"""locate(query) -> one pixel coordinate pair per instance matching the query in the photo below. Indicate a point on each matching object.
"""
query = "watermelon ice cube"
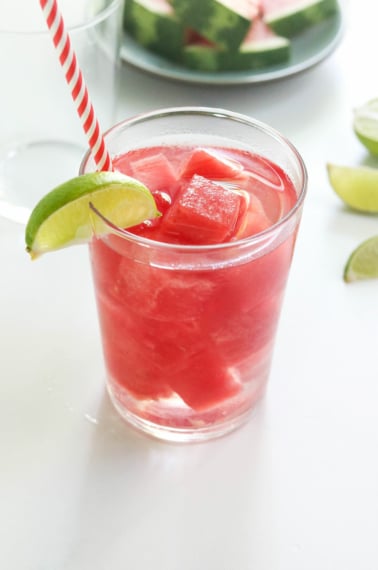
(209, 164)
(155, 171)
(203, 212)
(207, 381)
(254, 220)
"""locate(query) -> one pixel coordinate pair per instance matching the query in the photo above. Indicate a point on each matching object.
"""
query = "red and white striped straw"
(76, 83)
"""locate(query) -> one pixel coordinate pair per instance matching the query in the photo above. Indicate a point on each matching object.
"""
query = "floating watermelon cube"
(254, 219)
(203, 212)
(155, 171)
(208, 163)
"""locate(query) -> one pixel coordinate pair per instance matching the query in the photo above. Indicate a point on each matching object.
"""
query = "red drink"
(189, 303)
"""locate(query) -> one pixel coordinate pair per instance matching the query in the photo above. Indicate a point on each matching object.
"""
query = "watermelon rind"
(202, 58)
(257, 55)
(154, 27)
(251, 56)
(290, 21)
(215, 20)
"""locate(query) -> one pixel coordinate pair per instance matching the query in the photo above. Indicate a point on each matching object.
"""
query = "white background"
(294, 489)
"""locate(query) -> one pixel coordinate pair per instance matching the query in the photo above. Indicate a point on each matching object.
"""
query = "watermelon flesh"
(203, 212)
(253, 220)
(155, 170)
(259, 32)
(206, 162)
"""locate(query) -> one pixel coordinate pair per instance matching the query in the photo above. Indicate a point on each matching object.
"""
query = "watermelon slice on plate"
(261, 47)
(153, 24)
(290, 17)
(224, 22)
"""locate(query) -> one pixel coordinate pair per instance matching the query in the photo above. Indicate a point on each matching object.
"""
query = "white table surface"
(294, 489)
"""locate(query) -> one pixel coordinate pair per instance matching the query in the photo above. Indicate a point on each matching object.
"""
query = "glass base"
(174, 427)
(30, 169)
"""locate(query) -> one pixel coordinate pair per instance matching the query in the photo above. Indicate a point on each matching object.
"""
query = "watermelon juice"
(188, 303)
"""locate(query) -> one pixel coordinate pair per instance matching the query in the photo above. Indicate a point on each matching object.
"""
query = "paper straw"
(76, 83)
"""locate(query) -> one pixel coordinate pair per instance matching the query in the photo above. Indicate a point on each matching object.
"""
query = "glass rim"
(89, 22)
(248, 241)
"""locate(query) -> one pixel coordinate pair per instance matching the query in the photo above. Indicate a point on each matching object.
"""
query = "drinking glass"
(188, 330)
(41, 138)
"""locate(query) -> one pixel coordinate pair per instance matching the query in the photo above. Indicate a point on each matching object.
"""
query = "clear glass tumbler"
(42, 141)
(188, 330)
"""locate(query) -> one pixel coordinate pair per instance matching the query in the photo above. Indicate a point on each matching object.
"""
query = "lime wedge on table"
(63, 217)
(357, 186)
(363, 262)
(365, 125)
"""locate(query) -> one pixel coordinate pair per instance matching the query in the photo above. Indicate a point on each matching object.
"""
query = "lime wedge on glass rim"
(365, 125)
(363, 262)
(63, 217)
(357, 186)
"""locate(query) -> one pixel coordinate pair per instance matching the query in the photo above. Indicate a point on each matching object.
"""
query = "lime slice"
(356, 186)
(63, 217)
(363, 262)
(365, 125)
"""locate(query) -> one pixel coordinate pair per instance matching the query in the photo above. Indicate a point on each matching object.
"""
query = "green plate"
(308, 49)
